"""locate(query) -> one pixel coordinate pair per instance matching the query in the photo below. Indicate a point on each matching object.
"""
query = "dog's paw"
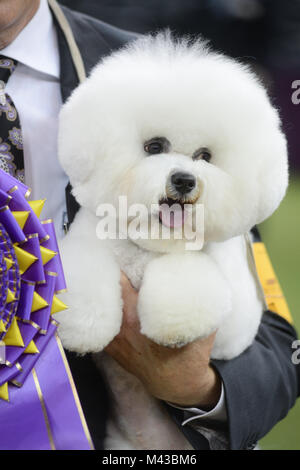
(183, 297)
(93, 294)
(89, 325)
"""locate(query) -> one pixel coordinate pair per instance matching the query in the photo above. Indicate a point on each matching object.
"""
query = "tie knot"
(7, 66)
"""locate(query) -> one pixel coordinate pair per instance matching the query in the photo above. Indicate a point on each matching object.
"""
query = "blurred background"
(266, 35)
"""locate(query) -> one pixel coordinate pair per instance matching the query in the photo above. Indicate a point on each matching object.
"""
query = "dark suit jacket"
(262, 384)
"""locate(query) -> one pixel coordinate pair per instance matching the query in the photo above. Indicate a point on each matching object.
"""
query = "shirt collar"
(36, 45)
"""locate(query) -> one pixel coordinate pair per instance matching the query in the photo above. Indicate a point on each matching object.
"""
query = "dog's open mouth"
(171, 212)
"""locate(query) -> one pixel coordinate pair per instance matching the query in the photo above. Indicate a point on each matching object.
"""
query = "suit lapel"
(68, 76)
(90, 43)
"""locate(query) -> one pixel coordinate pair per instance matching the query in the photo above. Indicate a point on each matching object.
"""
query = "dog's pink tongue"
(171, 218)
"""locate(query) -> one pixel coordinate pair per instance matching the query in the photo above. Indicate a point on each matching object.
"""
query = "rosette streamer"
(39, 406)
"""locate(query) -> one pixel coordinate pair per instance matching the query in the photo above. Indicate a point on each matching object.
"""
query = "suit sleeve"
(261, 384)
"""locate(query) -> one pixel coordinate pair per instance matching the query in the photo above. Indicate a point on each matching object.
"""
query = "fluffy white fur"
(156, 87)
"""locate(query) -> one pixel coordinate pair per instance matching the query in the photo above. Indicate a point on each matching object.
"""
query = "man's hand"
(182, 376)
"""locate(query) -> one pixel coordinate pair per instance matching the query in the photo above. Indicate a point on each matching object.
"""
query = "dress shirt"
(217, 413)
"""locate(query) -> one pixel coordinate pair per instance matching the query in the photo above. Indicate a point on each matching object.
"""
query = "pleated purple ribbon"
(39, 405)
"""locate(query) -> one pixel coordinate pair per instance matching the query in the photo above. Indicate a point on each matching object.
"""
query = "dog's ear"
(76, 151)
(273, 175)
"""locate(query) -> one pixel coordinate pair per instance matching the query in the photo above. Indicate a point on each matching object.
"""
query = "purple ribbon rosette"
(39, 405)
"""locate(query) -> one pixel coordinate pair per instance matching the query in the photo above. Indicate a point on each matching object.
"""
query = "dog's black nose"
(183, 182)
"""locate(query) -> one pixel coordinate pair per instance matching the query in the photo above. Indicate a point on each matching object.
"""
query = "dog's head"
(165, 121)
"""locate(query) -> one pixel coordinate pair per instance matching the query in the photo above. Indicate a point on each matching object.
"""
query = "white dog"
(165, 121)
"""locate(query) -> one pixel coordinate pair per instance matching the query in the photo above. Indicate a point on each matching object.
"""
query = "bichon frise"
(166, 121)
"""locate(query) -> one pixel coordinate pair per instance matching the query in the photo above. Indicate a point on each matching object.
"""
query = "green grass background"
(281, 235)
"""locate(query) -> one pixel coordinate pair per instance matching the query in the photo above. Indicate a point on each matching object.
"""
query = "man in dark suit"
(254, 390)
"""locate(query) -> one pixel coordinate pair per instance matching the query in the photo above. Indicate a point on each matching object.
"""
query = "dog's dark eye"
(202, 154)
(156, 145)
